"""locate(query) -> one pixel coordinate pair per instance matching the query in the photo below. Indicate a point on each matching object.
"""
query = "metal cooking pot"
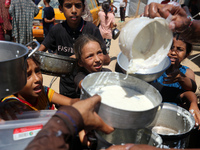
(123, 136)
(149, 74)
(56, 65)
(13, 67)
(119, 118)
(173, 124)
(115, 33)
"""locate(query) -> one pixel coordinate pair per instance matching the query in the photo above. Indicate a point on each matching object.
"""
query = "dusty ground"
(114, 51)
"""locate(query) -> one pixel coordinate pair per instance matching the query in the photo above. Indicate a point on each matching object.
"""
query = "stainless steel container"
(56, 65)
(123, 136)
(13, 67)
(149, 74)
(119, 118)
(173, 124)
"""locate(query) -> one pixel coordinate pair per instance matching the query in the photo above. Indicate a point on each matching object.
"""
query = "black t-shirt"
(81, 74)
(61, 38)
(49, 14)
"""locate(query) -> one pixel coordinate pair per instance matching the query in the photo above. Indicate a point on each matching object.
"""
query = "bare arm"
(138, 147)
(187, 80)
(49, 21)
(180, 23)
(42, 48)
(63, 100)
(194, 109)
(66, 123)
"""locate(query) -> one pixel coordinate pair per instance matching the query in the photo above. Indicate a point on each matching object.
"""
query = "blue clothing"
(37, 2)
(160, 80)
(170, 92)
(48, 13)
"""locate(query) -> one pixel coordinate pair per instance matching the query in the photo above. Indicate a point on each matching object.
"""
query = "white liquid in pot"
(122, 98)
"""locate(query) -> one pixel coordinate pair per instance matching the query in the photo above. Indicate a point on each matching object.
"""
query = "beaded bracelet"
(70, 118)
(191, 20)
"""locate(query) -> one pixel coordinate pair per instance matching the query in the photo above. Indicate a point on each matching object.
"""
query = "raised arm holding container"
(186, 26)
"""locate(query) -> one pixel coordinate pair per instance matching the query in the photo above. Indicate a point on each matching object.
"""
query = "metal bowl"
(120, 118)
(174, 125)
(123, 136)
(56, 65)
(149, 74)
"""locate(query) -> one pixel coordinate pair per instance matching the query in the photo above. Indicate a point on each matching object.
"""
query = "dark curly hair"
(188, 45)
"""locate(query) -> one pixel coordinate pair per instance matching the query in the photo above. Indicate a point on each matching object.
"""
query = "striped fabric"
(43, 102)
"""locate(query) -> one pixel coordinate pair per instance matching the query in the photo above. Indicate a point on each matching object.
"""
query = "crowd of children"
(82, 40)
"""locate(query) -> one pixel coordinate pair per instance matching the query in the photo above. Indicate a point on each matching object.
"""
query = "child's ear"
(80, 63)
(60, 8)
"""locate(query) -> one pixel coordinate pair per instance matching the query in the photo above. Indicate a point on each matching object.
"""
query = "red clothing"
(1, 29)
(165, 1)
(4, 14)
(7, 2)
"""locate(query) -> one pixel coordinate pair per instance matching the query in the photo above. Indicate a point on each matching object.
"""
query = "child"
(62, 36)
(178, 81)
(123, 4)
(90, 58)
(48, 18)
(112, 6)
(34, 95)
(107, 22)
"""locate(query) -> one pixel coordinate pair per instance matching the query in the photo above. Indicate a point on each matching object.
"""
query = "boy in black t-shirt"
(62, 36)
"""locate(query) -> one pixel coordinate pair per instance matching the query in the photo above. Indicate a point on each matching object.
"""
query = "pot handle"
(35, 49)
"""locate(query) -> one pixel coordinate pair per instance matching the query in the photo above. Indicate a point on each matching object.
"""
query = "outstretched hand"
(91, 119)
(174, 75)
(8, 110)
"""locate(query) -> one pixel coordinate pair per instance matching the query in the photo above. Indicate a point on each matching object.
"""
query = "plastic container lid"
(16, 134)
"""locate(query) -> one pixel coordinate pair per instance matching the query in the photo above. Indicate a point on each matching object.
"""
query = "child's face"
(177, 51)
(33, 87)
(72, 10)
(92, 57)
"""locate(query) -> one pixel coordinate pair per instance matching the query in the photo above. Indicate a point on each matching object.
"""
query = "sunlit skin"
(177, 54)
(33, 87)
(92, 57)
(72, 10)
(178, 51)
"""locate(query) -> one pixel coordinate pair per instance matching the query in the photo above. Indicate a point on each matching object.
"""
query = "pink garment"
(105, 29)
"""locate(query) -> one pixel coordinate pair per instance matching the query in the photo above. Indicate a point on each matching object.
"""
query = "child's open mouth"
(74, 17)
(98, 66)
(37, 89)
(173, 59)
